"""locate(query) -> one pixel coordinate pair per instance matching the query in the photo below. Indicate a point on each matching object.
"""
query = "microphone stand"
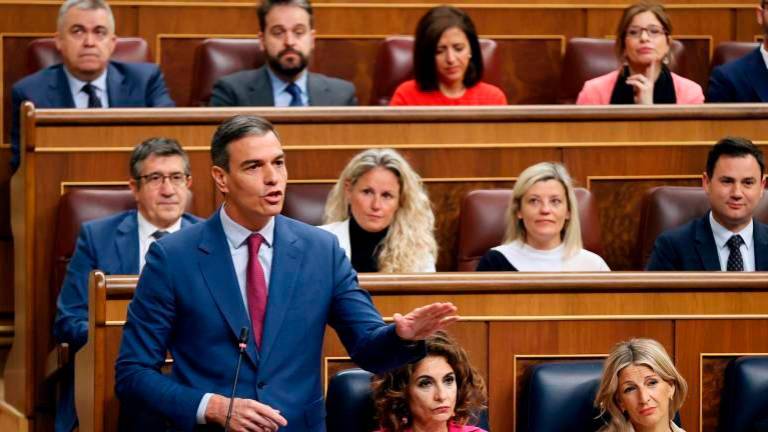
(241, 344)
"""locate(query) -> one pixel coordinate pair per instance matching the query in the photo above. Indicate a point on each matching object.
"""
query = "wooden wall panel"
(725, 336)
(745, 27)
(14, 68)
(560, 339)
(530, 69)
(698, 52)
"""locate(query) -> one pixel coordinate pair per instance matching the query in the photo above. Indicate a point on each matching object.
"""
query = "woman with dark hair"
(643, 47)
(447, 64)
(441, 393)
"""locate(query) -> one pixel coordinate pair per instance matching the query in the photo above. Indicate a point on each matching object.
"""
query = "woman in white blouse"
(543, 231)
(381, 214)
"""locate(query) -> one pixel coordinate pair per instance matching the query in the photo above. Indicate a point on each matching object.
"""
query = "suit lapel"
(127, 244)
(215, 261)
(261, 89)
(318, 90)
(286, 261)
(118, 92)
(59, 93)
(761, 245)
(705, 245)
(757, 74)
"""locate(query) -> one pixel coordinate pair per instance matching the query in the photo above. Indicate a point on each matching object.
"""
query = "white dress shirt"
(81, 97)
(146, 229)
(722, 235)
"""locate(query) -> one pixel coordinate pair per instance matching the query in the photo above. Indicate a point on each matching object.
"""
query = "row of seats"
(566, 389)
(585, 58)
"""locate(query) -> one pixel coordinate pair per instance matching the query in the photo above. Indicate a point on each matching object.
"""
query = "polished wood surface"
(506, 331)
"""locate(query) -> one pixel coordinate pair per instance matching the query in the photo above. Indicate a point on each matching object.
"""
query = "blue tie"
(295, 92)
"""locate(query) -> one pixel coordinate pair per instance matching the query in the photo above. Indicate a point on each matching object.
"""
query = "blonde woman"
(543, 231)
(640, 389)
(381, 214)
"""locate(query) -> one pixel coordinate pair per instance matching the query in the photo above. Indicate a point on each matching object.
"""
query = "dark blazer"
(129, 85)
(742, 80)
(254, 88)
(188, 302)
(692, 247)
(110, 244)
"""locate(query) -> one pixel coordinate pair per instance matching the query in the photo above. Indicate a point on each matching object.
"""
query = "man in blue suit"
(85, 37)
(160, 181)
(745, 79)
(248, 267)
(727, 238)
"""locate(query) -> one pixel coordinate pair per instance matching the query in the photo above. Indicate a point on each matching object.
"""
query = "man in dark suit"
(248, 267)
(727, 238)
(160, 181)
(288, 38)
(745, 79)
(85, 37)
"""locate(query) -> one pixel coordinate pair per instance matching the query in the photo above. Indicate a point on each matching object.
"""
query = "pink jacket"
(453, 427)
(597, 91)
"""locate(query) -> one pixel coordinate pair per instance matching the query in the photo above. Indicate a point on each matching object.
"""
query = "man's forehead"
(86, 18)
(734, 166)
(287, 15)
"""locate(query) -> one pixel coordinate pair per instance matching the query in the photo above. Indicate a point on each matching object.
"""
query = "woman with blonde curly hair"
(381, 214)
(543, 230)
(641, 389)
(442, 392)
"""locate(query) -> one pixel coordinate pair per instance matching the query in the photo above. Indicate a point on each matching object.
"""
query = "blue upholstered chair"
(744, 400)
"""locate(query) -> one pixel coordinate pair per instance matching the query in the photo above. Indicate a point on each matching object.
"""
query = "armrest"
(56, 360)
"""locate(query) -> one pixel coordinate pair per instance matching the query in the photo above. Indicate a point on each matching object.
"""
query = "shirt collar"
(722, 234)
(76, 85)
(764, 53)
(146, 228)
(278, 85)
(237, 235)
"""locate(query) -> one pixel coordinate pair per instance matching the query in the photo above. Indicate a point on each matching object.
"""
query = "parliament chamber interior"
(637, 172)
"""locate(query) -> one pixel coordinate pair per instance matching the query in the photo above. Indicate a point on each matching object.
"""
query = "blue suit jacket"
(110, 244)
(742, 80)
(188, 302)
(692, 247)
(129, 85)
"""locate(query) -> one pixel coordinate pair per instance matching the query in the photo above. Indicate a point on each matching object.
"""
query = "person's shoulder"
(592, 261)
(606, 80)
(688, 91)
(685, 232)
(334, 227)
(335, 83)
(490, 93)
(408, 86)
(741, 63)
(303, 230)
(190, 218)
(35, 80)
(242, 76)
(109, 222)
(597, 91)
(135, 67)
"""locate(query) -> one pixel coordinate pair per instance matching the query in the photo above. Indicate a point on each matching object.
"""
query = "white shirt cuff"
(202, 407)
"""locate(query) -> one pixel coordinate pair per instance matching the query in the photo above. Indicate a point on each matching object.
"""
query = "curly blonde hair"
(571, 234)
(390, 390)
(637, 352)
(410, 240)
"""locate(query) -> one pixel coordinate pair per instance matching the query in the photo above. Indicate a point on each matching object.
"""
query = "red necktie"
(256, 287)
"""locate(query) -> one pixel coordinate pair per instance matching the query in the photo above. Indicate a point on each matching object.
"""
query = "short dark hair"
(390, 389)
(428, 32)
(267, 5)
(734, 147)
(158, 146)
(233, 129)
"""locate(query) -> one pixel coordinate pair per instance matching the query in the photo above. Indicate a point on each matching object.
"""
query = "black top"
(494, 260)
(663, 88)
(364, 247)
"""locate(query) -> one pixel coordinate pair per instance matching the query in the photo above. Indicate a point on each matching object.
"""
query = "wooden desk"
(511, 322)
(615, 152)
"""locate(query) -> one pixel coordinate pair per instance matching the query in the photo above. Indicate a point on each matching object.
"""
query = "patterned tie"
(93, 99)
(159, 234)
(256, 287)
(735, 262)
(295, 92)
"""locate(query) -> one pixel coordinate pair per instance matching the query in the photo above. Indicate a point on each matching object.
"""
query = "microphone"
(241, 344)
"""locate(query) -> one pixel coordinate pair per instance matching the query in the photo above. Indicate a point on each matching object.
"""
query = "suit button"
(261, 385)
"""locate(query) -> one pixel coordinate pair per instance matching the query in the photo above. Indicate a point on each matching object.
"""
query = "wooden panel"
(13, 70)
(712, 381)
(530, 69)
(698, 52)
(745, 25)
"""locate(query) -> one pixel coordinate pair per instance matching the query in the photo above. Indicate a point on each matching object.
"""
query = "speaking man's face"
(86, 41)
(288, 40)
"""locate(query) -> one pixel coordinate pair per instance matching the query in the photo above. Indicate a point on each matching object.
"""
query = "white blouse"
(525, 258)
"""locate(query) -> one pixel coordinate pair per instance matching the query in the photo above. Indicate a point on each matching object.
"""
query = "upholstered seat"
(482, 223)
(667, 207)
(587, 58)
(394, 65)
(727, 52)
(42, 53)
(216, 58)
(306, 202)
(559, 397)
(744, 400)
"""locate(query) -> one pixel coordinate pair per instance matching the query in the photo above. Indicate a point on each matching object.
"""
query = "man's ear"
(220, 178)
(705, 182)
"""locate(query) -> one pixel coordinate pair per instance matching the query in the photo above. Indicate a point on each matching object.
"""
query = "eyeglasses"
(156, 180)
(653, 31)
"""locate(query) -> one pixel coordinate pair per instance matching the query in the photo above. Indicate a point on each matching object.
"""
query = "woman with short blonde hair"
(382, 215)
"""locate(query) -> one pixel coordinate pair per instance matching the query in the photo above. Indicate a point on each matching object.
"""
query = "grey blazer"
(253, 88)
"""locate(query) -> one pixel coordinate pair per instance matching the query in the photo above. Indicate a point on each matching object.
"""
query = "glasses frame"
(162, 177)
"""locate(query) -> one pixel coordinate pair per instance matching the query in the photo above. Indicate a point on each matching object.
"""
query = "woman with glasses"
(643, 46)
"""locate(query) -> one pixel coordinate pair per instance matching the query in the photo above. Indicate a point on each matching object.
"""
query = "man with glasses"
(746, 79)
(160, 182)
(87, 78)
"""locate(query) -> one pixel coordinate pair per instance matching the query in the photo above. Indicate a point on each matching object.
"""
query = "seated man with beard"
(288, 37)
